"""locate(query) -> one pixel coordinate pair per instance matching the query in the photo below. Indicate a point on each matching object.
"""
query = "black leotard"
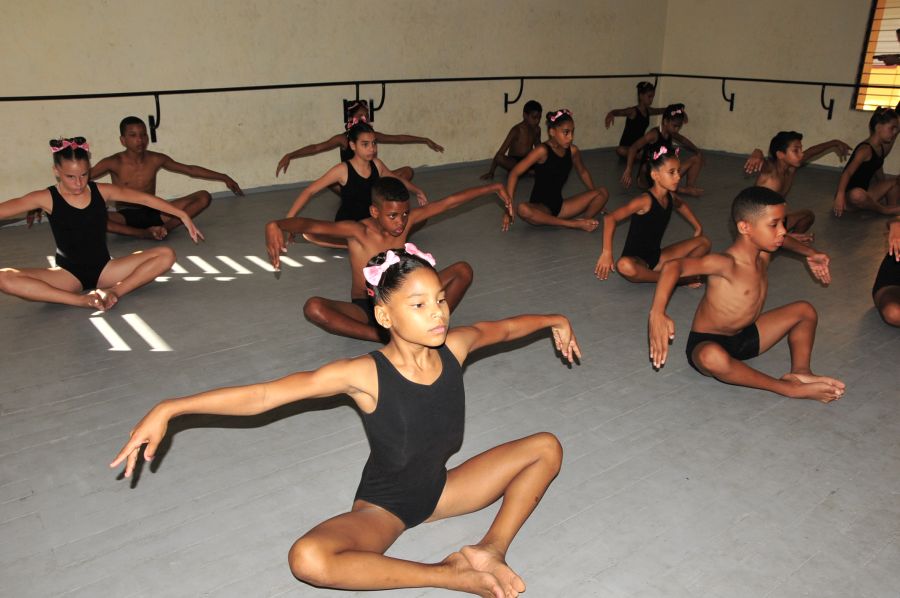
(80, 236)
(863, 175)
(356, 195)
(888, 274)
(646, 231)
(414, 429)
(634, 128)
(549, 179)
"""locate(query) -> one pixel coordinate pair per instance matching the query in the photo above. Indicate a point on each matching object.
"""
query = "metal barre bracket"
(830, 106)
(729, 99)
(507, 101)
(154, 122)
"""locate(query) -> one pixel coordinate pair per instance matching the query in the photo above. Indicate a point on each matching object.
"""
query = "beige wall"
(781, 39)
(128, 45)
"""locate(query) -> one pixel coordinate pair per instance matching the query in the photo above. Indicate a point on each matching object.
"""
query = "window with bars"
(880, 63)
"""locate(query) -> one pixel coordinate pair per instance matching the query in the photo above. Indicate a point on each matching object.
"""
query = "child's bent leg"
(539, 215)
(347, 552)
(690, 172)
(52, 285)
(520, 472)
(125, 274)
(192, 205)
(799, 221)
(860, 199)
(405, 172)
(634, 269)
(622, 151)
(456, 280)
(587, 204)
(341, 318)
(887, 301)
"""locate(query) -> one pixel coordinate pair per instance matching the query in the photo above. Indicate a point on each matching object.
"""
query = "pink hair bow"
(559, 113)
(373, 274)
(676, 112)
(64, 143)
(663, 151)
(355, 120)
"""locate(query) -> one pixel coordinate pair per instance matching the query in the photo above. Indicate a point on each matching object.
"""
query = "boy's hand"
(754, 163)
(609, 120)
(565, 342)
(626, 179)
(150, 431)
(604, 266)
(192, 230)
(661, 330)
(35, 215)
(420, 197)
(434, 146)
(818, 264)
(235, 188)
(275, 244)
(282, 165)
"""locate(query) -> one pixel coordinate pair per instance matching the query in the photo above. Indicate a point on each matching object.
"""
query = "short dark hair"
(752, 201)
(781, 141)
(532, 106)
(388, 188)
(130, 120)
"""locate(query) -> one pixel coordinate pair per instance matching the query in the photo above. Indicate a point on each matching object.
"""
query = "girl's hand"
(839, 205)
(420, 197)
(507, 220)
(275, 244)
(283, 165)
(234, 187)
(192, 230)
(565, 342)
(818, 264)
(841, 149)
(626, 179)
(894, 239)
(434, 146)
(150, 431)
(604, 266)
(661, 332)
(610, 119)
(507, 202)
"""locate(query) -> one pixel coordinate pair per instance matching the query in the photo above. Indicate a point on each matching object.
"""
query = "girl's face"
(417, 311)
(672, 127)
(646, 98)
(887, 131)
(365, 146)
(73, 175)
(563, 134)
(667, 174)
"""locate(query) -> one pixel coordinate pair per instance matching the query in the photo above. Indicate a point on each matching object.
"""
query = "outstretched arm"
(402, 139)
(610, 116)
(115, 192)
(383, 170)
(334, 378)
(756, 162)
(605, 263)
(276, 229)
(466, 339)
(537, 155)
(649, 137)
(686, 142)
(839, 204)
(817, 151)
(685, 211)
(817, 261)
(337, 174)
(457, 199)
(36, 200)
(504, 147)
(198, 172)
(102, 168)
(310, 150)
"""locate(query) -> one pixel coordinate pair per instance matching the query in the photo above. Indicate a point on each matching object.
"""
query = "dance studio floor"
(673, 485)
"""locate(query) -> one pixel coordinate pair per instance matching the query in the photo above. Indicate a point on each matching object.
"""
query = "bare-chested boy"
(786, 155)
(520, 140)
(388, 228)
(729, 325)
(136, 168)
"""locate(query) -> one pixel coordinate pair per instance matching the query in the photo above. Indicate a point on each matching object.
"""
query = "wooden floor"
(673, 485)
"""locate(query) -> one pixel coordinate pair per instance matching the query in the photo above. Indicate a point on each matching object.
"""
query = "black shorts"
(888, 274)
(142, 217)
(367, 306)
(743, 345)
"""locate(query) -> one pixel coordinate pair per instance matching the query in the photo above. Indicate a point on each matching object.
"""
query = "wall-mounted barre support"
(507, 101)
(830, 106)
(154, 122)
(655, 81)
(729, 99)
(373, 108)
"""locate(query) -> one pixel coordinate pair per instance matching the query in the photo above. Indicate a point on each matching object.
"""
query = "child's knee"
(164, 255)
(7, 279)
(712, 358)
(807, 311)
(602, 193)
(204, 199)
(523, 210)
(890, 313)
(314, 310)
(309, 562)
(549, 449)
(626, 267)
(463, 271)
(704, 245)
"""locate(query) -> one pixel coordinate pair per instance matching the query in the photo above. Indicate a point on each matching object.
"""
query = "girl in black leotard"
(856, 190)
(354, 178)
(552, 161)
(411, 397)
(643, 256)
(886, 290)
(637, 117)
(76, 209)
(357, 111)
(667, 134)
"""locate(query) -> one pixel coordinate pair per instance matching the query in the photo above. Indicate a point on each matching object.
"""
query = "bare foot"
(692, 191)
(157, 233)
(584, 224)
(95, 300)
(468, 579)
(109, 298)
(818, 388)
(488, 559)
